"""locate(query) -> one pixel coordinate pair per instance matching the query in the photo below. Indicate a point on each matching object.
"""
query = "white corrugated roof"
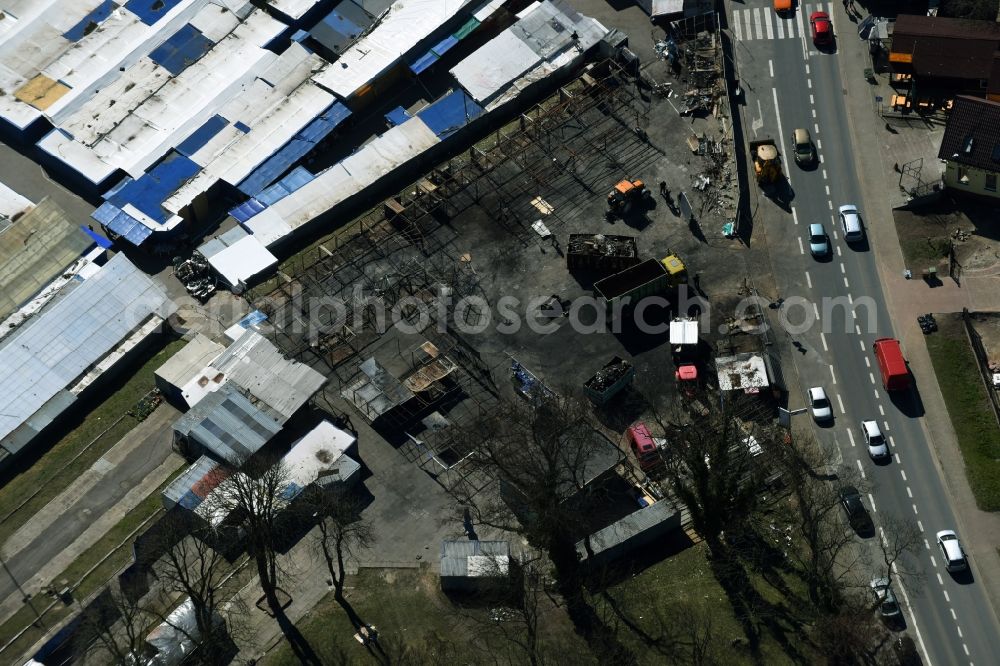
(375, 160)
(132, 121)
(242, 260)
(293, 8)
(49, 353)
(12, 203)
(316, 452)
(407, 23)
(493, 66)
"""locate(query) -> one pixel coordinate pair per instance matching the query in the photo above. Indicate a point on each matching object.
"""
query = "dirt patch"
(927, 235)
(987, 324)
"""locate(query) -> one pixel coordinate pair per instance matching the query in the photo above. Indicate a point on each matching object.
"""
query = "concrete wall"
(975, 180)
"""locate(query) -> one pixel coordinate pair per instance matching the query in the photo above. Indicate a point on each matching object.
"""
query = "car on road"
(819, 242)
(857, 515)
(951, 550)
(782, 7)
(819, 404)
(822, 28)
(802, 146)
(885, 598)
(850, 220)
(877, 448)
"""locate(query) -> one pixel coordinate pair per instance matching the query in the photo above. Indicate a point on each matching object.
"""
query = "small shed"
(225, 425)
(471, 565)
(182, 367)
(197, 482)
(320, 458)
(634, 531)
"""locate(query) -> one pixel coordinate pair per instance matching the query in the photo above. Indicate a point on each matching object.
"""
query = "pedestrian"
(895, 167)
(663, 188)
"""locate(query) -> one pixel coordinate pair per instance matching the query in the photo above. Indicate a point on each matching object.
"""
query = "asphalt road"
(791, 84)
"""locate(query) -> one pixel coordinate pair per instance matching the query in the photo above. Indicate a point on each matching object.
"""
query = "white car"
(877, 448)
(850, 220)
(819, 404)
(885, 599)
(951, 551)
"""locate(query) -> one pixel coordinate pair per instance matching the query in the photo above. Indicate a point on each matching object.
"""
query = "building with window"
(970, 147)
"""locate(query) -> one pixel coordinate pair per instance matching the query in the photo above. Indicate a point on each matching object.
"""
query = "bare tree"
(113, 629)
(544, 452)
(898, 537)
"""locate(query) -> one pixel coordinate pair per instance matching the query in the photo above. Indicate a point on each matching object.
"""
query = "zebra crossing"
(760, 23)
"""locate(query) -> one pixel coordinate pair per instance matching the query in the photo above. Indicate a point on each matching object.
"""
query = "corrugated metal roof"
(341, 27)
(246, 210)
(201, 136)
(423, 62)
(181, 49)
(455, 554)
(228, 425)
(151, 11)
(629, 527)
(257, 366)
(181, 487)
(148, 192)
(189, 361)
(91, 21)
(450, 113)
(54, 349)
(298, 177)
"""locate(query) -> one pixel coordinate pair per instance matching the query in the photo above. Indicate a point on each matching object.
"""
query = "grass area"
(110, 546)
(52, 472)
(678, 604)
(924, 252)
(968, 407)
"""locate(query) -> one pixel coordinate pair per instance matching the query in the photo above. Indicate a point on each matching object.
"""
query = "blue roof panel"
(299, 145)
(151, 11)
(397, 116)
(202, 135)
(423, 62)
(90, 22)
(445, 45)
(96, 237)
(153, 187)
(246, 210)
(184, 47)
(450, 113)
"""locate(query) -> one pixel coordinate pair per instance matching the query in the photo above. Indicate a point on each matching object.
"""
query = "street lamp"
(26, 598)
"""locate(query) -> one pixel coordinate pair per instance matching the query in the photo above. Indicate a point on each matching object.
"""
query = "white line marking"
(862, 344)
(832, 375)
(934, 564)
(861, 469)
(920, 526)
(885, 540)
(850, 299)
(824, 174)
(841, 404)
(915, 512)
(892, 442)
(816, 311)
(871, 500)
(819, 146)
(767, 24)
(951, 610)
(909, 493)
(809, 280)
(814, 113)
(738, 28)
(816, 127)
(871, 377)
(857, 329)
(822, 337)
(881, 410)
(807, 64)
(811, 100)
(850, 435)
(966, 649)
(770, 67)
(838, 252)
(801, 250)
(843, 269)
(781, 35)
(876, 394)
(809, 82)
(906, 598)
(902, 473)
(758, 31)
(885, 426)
(948, 599)
(795, 216)
(749, 29)
(847, 285)
(868, 363)
(830, 204)
(781, 132)
(827, 190)
(897, 455)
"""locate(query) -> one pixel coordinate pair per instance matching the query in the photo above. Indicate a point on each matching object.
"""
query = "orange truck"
(891, 364)
(783, 6)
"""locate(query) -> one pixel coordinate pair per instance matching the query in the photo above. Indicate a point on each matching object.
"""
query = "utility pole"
(24, 597)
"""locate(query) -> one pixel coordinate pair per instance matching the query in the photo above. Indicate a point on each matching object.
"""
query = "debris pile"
(196, 276)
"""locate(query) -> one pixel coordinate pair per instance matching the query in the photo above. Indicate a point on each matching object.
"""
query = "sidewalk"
(908, 298)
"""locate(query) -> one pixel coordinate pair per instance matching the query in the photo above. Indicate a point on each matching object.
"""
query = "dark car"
(857, 515)
(906, 652)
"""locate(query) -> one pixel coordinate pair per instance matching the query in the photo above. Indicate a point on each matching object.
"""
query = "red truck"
(892, 365)
(644, 447)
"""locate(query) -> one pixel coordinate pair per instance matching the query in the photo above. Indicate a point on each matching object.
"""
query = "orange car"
(782, 6)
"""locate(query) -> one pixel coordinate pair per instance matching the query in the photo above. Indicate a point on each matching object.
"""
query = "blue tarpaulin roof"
(150, 190)
(444, 45)
(300, 144)
(96, 237)
(293, 181)
(202, 135)
(118, 221)
(184, 47)
(246, 210)
(450, 113)
(423, 62)
(89, 22)
(151, 11)
(397, 116)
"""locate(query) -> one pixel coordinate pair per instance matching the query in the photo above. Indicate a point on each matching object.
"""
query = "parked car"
(877, 448)
(819, 242)
(850, 220)
(822, 28)
(906, 651)
(857, 515)
(951, 550)
(885, 598)
(819, 404)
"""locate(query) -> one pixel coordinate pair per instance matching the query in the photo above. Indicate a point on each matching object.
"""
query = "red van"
(892, 365)
(643, 446)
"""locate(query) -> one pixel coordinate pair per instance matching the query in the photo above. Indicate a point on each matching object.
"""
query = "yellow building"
(970, 147)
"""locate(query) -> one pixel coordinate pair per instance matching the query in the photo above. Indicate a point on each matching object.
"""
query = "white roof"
(133, 120)
(12, 203)
(375, 160)
(683, 332)
(293, 8)
(242, 260)
(494, 65)
(317, 452)
(487, 565)
(51, 352)
(406, 24)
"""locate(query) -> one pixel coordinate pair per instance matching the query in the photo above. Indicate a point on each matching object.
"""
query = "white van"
(850, 220)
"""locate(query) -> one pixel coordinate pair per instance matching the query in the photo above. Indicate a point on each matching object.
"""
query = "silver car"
(888, 606)
(951, 550)
(850, 220)
(819, 404)
(819, 242)
(877, 448)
